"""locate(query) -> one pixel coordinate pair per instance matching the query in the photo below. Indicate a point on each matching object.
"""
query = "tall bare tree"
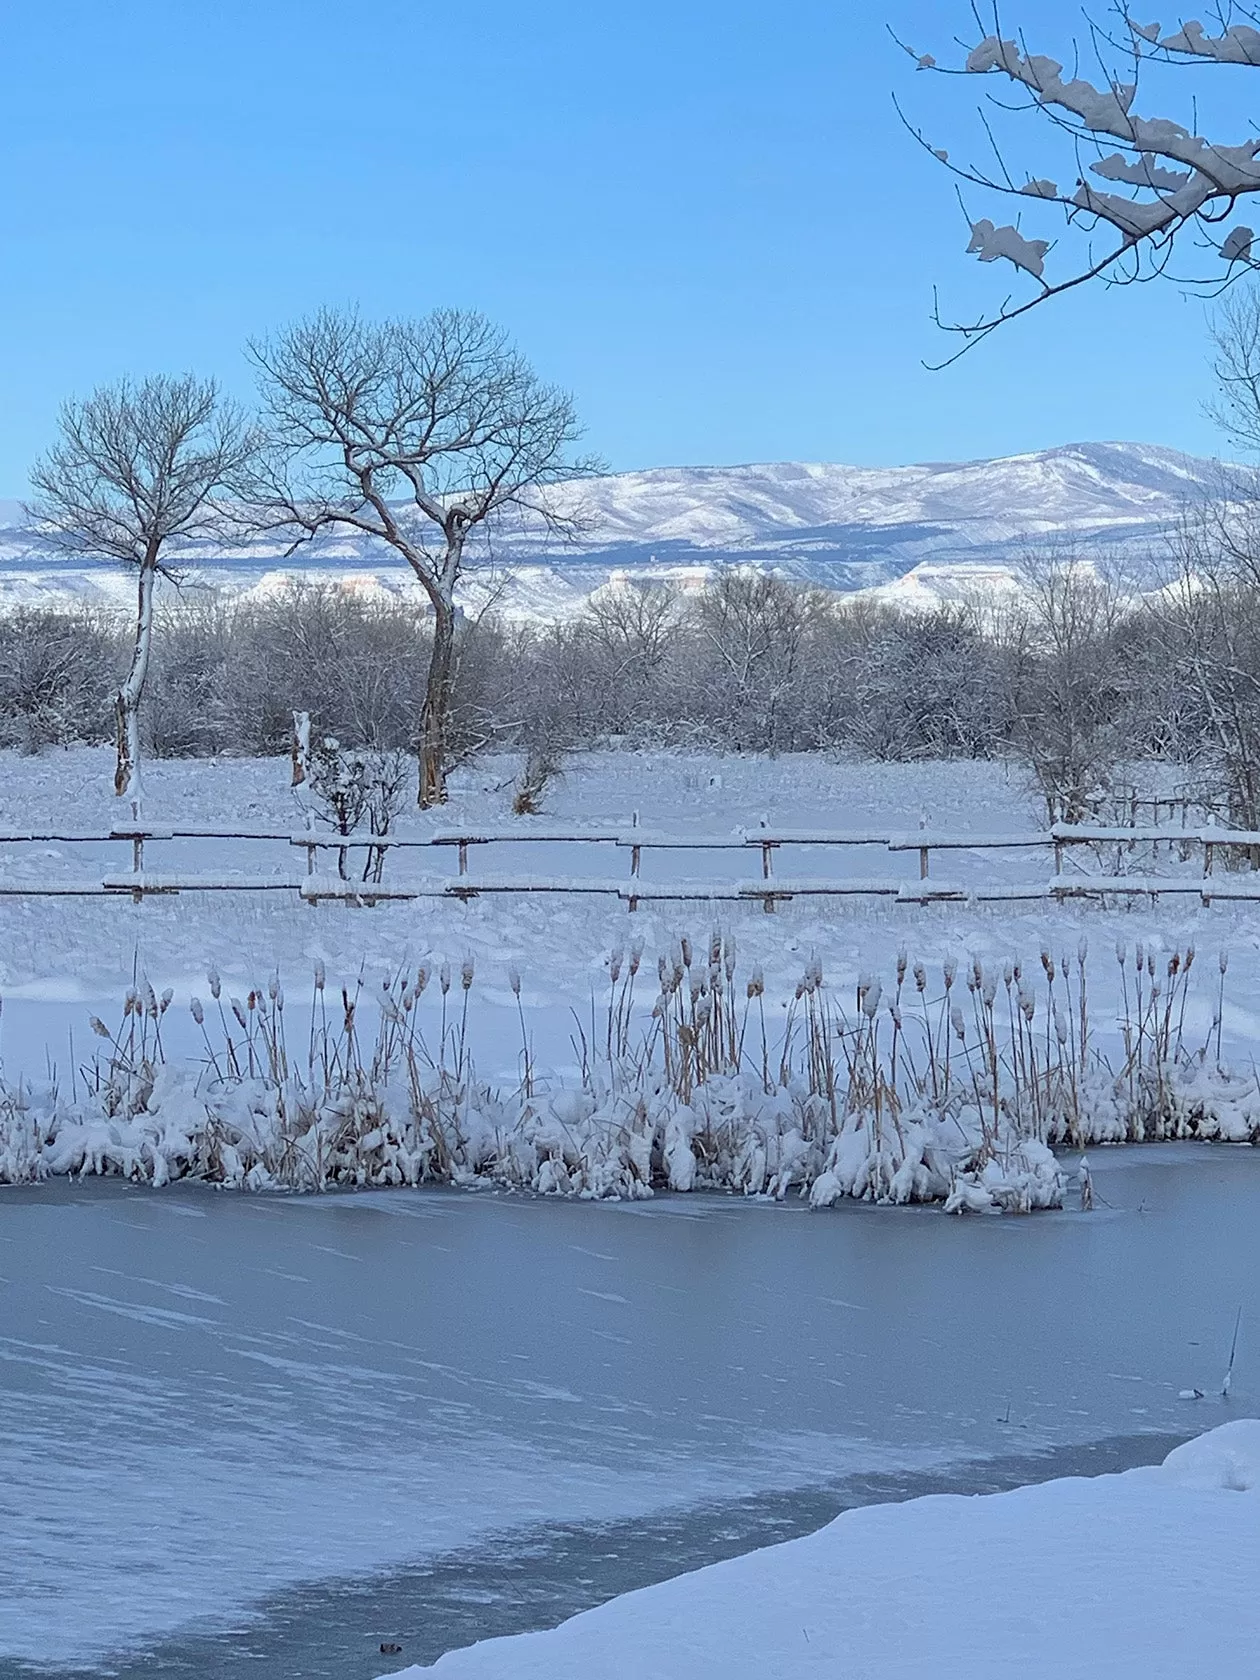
(421, 434)
(135, 469)
(1173, 186)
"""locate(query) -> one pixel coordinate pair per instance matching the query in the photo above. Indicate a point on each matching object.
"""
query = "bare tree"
(418, 434)
(1066, 688)
(1175, 185)
(136, 468)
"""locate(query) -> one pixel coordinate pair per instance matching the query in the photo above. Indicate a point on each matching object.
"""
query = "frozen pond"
(260, 1435)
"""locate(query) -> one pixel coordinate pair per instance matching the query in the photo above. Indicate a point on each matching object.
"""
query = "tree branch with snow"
(1175, 187)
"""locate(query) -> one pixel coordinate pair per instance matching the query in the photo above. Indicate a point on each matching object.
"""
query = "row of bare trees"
(1078, 677)
(417, 434)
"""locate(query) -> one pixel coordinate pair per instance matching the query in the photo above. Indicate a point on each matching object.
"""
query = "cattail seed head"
(98, 1026)
(956, 1021)
(214, 983)
(1224, 961)
(422, 980)
(238, 1009)
(870, 1003)
(444, 978)
(514, 981)
(320, 976)
(198, 1013)
(920, 977)
(466, 973)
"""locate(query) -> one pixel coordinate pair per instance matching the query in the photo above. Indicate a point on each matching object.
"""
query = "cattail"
(956, 1021)
(408, 1000)
(422, 980)
(756, 983)
(715, 947)
(197, 1012)
(989, 993)
(253, 1000)
(1047, 962)
(902, 961)
(870, 1002)
(977, 974)
(514, 981)
(466, 973)
(949, 969)
(1027, 1003)
(1082, 951)
(444, 978)
(214, 983)
(1060, 1028)
(150, 1000)
(1224, 961)
(636, 955)
(1174, 963)
(238, 1009)
(1122, 952)
(164, 1002)
(273, 985)
(99, 1028)
(1189, 958)
(684, 948)
(662, 969)
(320, 976)
(704, 1008)
(920, 977)
(730, 961)
(1008, 974)
(614, 965)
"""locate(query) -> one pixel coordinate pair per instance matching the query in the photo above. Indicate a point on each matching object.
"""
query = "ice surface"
(205, 1398)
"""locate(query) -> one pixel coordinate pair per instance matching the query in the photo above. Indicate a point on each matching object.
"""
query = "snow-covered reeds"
(953, 1085)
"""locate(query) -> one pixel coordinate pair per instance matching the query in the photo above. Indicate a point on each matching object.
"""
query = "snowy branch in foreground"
(1183, 187)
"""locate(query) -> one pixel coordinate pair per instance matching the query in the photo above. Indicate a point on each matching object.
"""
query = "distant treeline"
(1072, 677)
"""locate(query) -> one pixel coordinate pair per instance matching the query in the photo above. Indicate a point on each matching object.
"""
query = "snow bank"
(1149, 1575)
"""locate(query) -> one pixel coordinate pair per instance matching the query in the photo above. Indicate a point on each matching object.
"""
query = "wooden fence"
(315, 885)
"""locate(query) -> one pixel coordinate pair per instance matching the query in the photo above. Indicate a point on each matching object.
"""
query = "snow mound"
(1225, 1458)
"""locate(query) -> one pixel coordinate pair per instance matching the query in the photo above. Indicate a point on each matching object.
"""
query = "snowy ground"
(58, 957)
(1148, 1575)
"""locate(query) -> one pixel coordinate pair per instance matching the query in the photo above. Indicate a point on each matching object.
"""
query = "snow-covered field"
(1149, 1575)
(85, 950)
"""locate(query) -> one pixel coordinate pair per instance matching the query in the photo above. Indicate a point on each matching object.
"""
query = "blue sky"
(702, 216)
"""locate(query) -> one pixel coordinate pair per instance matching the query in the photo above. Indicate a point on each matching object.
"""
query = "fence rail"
(769, 889)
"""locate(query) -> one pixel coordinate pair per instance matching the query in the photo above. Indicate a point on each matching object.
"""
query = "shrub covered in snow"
(952, 1091)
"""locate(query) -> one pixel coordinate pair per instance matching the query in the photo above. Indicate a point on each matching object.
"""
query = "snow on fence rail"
(769, 889)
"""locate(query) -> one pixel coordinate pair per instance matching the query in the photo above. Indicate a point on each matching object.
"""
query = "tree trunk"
(127, 700)
(437, 705)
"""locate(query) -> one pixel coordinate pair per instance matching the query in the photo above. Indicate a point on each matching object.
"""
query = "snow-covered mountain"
(917, 532)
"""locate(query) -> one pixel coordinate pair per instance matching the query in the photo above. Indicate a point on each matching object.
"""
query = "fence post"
(766, 863)
(923, 863)
(463, 857)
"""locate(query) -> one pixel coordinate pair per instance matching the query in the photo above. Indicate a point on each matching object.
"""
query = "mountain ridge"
(848, 528)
